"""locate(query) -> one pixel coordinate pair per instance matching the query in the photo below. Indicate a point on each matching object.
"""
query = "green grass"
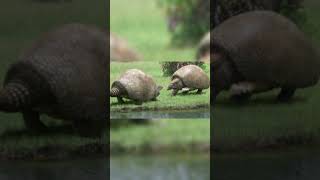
(263, 122)
(143, 24)
(165, 100)
(162, 135)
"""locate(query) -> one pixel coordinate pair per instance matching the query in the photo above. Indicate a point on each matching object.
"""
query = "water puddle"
(179, 114)
(189, 167)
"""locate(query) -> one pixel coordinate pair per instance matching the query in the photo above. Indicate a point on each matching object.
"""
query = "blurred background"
(161, 30)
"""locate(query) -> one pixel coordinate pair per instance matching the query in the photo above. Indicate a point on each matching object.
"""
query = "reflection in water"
(179, 114)
(297, 165)
(93, 169)
(160, 168)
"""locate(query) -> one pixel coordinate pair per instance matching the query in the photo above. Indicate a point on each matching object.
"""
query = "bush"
(168, 68)
(187, 20)
(293, 9)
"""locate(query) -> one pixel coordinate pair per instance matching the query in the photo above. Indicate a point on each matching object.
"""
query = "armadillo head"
(176, 83)
(14, 97)
(159, 88)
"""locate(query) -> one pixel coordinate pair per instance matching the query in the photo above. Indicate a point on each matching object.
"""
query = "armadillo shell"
(267, 47)
(192, 76)
(73, 61)
(139, 86)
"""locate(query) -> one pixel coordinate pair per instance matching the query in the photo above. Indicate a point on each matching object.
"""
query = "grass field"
(164, 101)
(264, 123)
(173, 135)
(143, 24)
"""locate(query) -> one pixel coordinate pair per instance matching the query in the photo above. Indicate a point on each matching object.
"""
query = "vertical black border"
(213, 23)
(107, 15)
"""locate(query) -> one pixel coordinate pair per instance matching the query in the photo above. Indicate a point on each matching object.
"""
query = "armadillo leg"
(137, 102)
(32, 121)
(286, 94)
(199, 91)
(120, 100)
(174, 92)
(244, 90)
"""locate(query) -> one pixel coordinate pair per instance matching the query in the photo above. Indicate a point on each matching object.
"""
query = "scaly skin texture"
(262, 50)
(64, 75)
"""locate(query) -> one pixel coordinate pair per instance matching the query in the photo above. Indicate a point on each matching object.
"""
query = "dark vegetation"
(168, 68)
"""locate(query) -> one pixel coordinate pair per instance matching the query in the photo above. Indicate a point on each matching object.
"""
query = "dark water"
(160, 167)
(86, 169)
(292, 165)
(186, 167)
(178, 114)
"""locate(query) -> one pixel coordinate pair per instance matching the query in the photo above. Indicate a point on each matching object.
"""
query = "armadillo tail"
(14, 97)
(114, 92)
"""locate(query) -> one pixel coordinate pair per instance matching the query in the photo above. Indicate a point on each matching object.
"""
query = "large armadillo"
(261, 50)
(64, 74)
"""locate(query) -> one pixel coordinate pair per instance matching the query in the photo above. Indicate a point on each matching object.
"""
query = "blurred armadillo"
(64, 75)
(261, 50)
(121, 51)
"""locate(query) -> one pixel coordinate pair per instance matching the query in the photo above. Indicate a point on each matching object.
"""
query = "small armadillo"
(64, 75)
(189, 77)
(136, 85)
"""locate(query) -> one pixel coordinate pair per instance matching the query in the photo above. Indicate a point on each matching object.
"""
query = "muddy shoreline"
(175, 108)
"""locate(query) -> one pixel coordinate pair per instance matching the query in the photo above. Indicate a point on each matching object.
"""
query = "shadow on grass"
(126, 102)
(266, 100)
(130, 102)
(54, 130)
(119, 123)
(193, 93)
